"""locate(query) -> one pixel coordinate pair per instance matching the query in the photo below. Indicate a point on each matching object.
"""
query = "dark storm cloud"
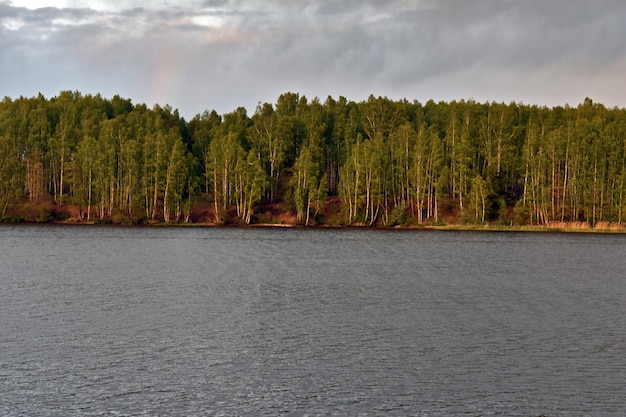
(222, 54)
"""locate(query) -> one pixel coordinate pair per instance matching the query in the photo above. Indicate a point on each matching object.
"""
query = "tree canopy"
(383, 162)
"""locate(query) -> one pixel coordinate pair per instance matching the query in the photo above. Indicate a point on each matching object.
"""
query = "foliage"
(389, 162)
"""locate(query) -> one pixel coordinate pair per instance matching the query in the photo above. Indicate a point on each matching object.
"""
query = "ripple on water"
(260, 322)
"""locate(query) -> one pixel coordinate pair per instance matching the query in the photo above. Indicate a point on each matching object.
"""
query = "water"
(114, 321)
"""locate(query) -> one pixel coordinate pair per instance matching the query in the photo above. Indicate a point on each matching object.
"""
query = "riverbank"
(280, 216)
(566, 228)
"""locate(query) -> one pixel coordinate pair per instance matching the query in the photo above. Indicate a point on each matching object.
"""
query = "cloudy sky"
(221, 54)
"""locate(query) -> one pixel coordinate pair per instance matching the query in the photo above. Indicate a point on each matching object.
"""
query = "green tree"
(224, 153)
(11, 174)
(250, 184)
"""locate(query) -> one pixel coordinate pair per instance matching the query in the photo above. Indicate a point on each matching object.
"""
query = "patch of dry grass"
(569, 225)
(609, 226)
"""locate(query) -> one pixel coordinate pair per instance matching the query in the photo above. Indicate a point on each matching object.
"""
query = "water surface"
(99, 321)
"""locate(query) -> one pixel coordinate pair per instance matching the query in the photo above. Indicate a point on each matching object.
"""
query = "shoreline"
(561, 228)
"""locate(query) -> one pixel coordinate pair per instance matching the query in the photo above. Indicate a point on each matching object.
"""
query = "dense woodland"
(376, 162)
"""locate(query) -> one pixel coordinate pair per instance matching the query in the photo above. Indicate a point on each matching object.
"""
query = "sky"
(223, 54)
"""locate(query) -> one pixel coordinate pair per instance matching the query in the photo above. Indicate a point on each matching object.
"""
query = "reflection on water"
(209, 321)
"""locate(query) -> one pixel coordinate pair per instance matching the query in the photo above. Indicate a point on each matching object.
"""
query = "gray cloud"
(222, 54)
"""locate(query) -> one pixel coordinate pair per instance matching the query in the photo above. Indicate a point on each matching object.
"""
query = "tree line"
(387, 162)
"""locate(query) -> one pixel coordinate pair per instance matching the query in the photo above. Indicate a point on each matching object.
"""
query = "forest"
(378, 162)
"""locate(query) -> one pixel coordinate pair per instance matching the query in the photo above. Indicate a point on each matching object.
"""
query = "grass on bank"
(277, 215)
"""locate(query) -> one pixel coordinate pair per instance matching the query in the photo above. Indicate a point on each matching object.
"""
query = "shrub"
(398, 215)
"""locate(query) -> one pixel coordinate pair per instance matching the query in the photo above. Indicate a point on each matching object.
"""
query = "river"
(129, 321)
